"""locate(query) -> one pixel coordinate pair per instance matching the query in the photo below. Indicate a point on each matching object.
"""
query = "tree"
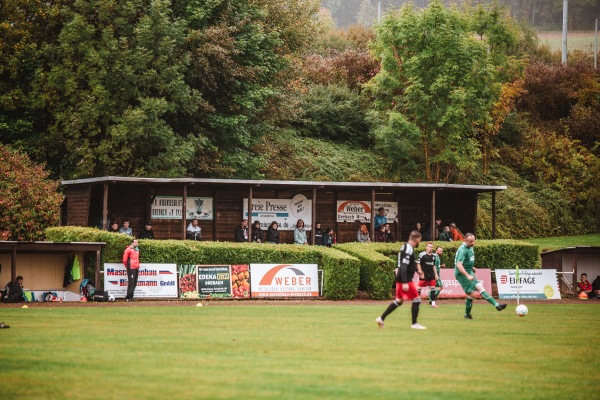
(30, 202)
(440, 79)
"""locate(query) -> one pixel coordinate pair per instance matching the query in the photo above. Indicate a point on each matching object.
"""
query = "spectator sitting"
(13, 292)
(445, 235)
(300, 233)
(273, 233)
(318, 234)
(147, 232)
(363, 234)
(328, 237)
(241, 232)
(257, 233)
(193, 231)
(389, 238)
(596, 287)
(126, 229)
(455, 233)
(380, 234)
(114, 228)
(583, 285)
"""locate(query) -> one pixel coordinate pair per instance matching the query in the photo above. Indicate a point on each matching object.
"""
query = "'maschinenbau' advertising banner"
(356, 210)
(532, 284)
(171, 207)
(284, 280)
(286, 212)
(154, 280)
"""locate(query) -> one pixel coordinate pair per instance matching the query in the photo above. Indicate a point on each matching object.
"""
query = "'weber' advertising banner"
(532, 284)
(356, 210)
(154, 280)
(284, 280)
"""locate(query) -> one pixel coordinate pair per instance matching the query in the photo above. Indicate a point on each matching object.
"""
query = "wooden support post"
(372, 215)
(105, 208)
(432, 226)
(313, 215)
(250, 193)
(184, 211)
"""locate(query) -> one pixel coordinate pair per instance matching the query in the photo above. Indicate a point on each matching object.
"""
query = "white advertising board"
(356, 210)
(171, 207)
(284, 280)
(154, 280)
(286, 212)
(532, 284)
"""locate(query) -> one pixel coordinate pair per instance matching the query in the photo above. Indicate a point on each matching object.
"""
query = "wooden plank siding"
(131, 198)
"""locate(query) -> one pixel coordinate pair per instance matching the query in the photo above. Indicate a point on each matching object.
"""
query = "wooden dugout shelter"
(100, 201)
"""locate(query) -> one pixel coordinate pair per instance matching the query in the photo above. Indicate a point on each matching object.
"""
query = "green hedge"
(378, 260)
(340, 270)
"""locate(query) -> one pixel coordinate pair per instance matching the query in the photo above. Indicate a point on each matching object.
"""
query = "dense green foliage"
(29, 201)
(378, 260)
(270, 89)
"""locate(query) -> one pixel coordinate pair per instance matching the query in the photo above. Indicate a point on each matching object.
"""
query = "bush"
(29, 201)
(340, 270)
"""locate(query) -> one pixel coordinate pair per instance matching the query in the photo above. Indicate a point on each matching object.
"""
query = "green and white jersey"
(437, 264)
(466, 255)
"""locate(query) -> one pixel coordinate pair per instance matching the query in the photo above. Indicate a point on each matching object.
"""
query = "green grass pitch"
(299, 350)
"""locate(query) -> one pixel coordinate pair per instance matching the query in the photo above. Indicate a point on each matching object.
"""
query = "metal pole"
(596, 45)
(564, 31)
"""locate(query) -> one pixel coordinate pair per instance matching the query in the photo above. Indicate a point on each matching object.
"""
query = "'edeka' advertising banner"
(286, 212)
(355, 210)
(284, 280)
(532, 284)
(154, 280)
(452, 288)
(214, 281)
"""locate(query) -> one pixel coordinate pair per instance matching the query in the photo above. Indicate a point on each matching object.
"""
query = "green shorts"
(438, 283)
(467, 285)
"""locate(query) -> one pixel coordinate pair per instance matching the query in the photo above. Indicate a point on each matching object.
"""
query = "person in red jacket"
(456, 234)
(585, 286)
(131, 260)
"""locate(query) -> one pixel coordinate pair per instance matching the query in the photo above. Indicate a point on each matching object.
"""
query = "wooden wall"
(132, 202)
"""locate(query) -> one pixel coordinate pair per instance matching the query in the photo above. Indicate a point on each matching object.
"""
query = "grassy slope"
(304, 351)
(560, 242)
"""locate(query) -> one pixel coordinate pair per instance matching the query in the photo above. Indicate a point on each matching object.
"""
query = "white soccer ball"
(522, 310)
(111, 297)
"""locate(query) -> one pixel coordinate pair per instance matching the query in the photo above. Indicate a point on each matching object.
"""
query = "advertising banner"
(532, 284)
(356, 210)
(154, 280)
(452, 289)
(283, 211)
(170, 207)
(284, 280)
(214, 280)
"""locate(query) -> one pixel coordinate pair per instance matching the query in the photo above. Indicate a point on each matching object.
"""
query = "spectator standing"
(131, 260)
(456, 234)
(328, 237)
(437, 229)
(318, 234)
(257, 233)
(363, 234)
(147, 232)
(273, 233)
(241, 232)
(126, 229)
(300, 233)
(193, 231)
(380, 218)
